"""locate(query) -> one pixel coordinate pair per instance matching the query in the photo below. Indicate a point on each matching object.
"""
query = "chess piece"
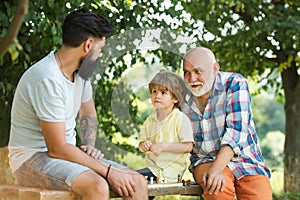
(159, 177)
(151, 180)
(186, 183)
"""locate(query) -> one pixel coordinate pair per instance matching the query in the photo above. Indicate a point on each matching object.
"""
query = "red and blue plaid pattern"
(227, 120)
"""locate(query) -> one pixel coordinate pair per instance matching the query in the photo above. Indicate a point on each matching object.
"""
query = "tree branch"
(14, 27)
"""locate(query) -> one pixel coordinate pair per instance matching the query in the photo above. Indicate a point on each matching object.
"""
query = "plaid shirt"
(227, 120)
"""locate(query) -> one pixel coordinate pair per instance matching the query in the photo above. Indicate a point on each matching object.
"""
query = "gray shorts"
(51, 173)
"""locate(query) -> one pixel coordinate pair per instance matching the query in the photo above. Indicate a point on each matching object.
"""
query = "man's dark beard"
(87, 67)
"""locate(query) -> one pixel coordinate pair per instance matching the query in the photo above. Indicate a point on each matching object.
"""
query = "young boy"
(166, 135)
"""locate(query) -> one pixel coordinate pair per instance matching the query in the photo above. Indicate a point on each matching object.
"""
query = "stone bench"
(10, 191)
(15, 192)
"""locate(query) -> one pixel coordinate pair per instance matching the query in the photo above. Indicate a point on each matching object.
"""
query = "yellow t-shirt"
(175, 128)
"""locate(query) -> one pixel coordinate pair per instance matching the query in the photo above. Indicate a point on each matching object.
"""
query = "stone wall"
(6, 176)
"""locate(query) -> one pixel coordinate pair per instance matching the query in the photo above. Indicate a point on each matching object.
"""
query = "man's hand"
(122, 181)
(92, 151)
(214, 180)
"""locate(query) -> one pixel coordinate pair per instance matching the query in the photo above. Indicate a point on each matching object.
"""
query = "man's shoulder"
(43, 69)
(230, 75)
(229, 79)
(44, 63)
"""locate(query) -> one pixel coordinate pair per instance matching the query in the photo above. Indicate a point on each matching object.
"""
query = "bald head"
(200, 57)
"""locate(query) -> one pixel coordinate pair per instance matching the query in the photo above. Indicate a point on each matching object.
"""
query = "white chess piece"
(151, 180)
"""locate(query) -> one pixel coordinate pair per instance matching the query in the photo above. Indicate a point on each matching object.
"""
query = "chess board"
(162, 185)
(159, 189)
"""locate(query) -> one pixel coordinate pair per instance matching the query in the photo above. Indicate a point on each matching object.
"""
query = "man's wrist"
(107, 172)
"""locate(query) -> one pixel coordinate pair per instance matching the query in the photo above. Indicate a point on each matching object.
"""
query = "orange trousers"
(252, 187)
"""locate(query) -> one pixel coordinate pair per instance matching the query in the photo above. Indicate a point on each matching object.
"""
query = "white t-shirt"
(43, 93)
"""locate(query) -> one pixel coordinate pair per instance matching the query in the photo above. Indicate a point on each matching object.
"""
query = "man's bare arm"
(88, 130)
(88, 123)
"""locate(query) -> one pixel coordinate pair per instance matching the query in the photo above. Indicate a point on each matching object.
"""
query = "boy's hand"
(145, 146)
(158, 148)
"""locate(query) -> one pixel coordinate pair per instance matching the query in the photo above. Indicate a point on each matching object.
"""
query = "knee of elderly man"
(250, 187)
(229, 190)
(89, 185)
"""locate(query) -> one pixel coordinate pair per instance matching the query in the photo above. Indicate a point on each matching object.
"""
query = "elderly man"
(226, 160)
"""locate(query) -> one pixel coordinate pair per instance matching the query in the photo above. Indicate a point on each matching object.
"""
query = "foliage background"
(257, 38)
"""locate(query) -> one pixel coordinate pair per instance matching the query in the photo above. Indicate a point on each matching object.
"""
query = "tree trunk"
(291, 85)
(14, 27)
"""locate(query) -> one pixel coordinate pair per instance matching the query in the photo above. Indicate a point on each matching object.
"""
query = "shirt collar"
(153, 115)
(218, 83)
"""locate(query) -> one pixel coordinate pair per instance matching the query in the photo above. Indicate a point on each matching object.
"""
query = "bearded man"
(226, 159)
(48, 98)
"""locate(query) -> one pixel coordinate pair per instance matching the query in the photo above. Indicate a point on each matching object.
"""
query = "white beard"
(204, 88)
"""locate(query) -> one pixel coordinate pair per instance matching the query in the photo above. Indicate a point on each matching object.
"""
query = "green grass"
(277, 181)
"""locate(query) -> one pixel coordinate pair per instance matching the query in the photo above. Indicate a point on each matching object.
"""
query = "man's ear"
(216, 68)
(88, 45)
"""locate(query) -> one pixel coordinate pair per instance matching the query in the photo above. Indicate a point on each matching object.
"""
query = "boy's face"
(162, 98)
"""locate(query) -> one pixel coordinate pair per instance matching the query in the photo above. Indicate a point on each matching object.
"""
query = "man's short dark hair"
(81, 24)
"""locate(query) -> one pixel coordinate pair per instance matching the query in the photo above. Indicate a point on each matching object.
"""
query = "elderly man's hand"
(214, 180)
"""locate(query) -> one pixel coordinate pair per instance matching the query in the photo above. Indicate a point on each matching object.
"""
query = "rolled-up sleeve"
(237, 118)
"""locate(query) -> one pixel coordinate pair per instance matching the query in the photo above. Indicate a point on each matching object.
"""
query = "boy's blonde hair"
(172, 82)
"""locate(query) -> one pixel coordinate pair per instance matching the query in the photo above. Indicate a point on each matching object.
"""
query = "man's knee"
(141, 184)
(229, 190)
(90, 184)
(140, 179)
(254, 187)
